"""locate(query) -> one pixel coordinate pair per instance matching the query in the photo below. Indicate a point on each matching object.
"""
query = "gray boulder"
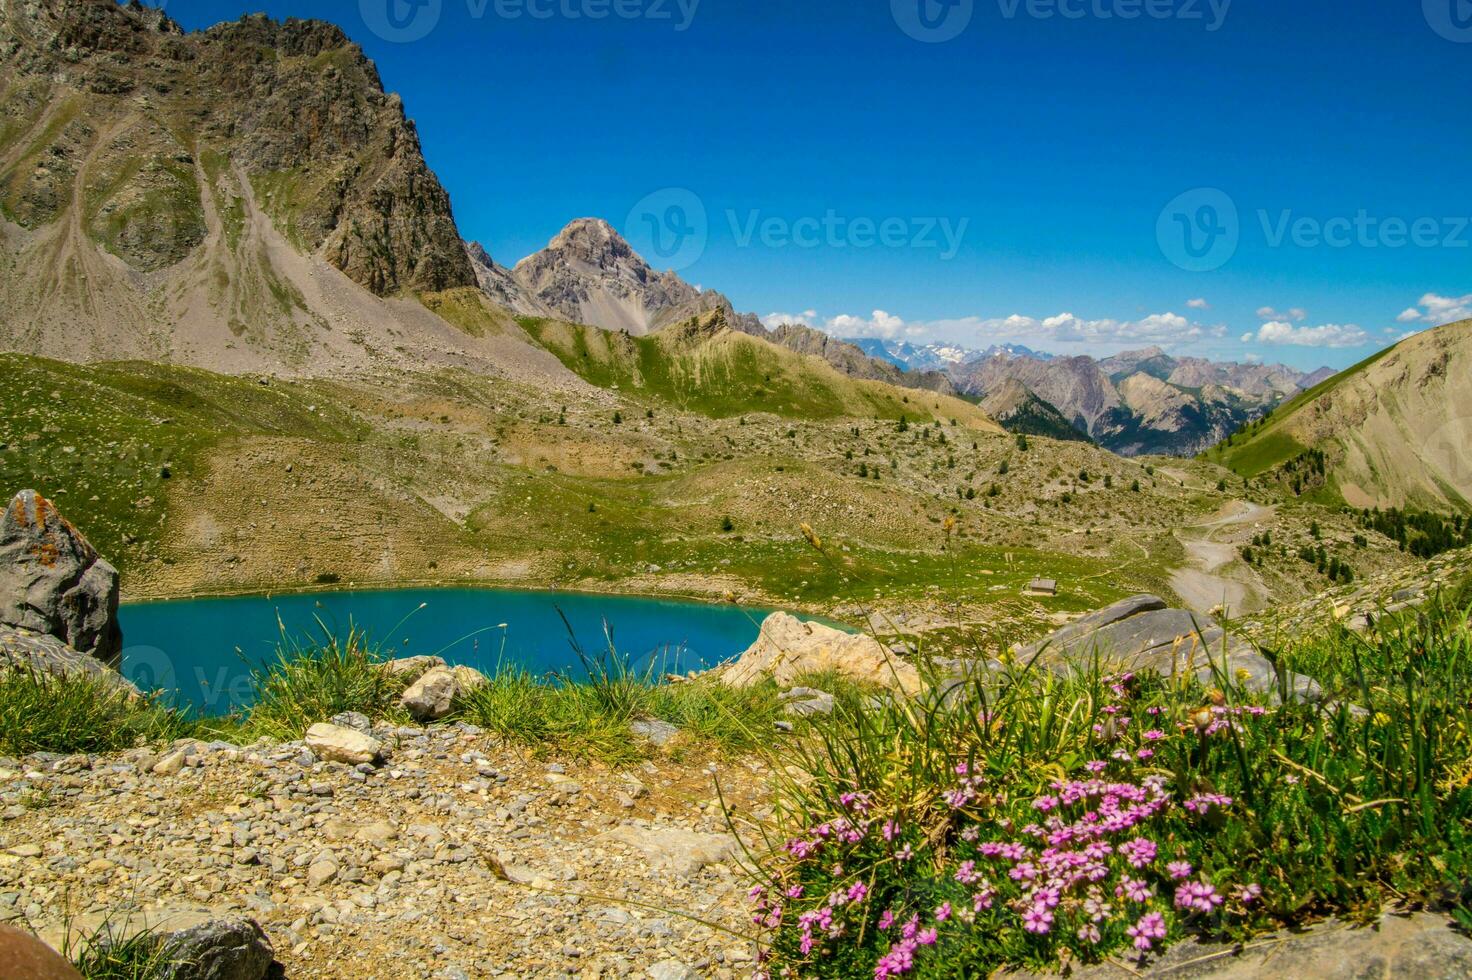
(203, 948)
(196, 943)
(1143, 634)
(53, 583)
(1420, 945)
(47, 655)
(432, 697)
(653, 730)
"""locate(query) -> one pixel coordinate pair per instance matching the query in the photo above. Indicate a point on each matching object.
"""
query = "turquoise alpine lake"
(202, 651)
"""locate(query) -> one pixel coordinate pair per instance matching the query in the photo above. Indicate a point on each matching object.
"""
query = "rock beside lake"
(1142, 633)
(53, 583)
(48, 655)
(433, 695)
(410, 669)
(338, 744)
(787, 648)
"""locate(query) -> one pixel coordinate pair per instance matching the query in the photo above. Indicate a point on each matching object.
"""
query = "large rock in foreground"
(23, 955)
(1419, 945)
(1142, 634)
(53, 583)
(193, 943)
(788, 648)
(47, 655)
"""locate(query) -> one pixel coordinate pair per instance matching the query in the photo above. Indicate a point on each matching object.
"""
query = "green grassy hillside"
(1268, 442)
(705, 368)
(106, 441)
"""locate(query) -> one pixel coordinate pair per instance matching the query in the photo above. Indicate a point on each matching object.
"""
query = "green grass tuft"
(76, 713)
(310, 681)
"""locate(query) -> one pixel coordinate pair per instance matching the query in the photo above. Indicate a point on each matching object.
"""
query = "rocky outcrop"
(432, 696)
(589, 274)
(167, 134)
(192, 943)
(1142, 634)
(1420, 945)
(53, 583)
(47, 655)
(501, 285)
(788, 648)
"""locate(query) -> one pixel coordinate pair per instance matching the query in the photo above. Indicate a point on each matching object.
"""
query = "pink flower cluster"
(1092, 863)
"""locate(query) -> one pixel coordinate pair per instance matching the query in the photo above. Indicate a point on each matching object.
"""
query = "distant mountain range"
(933, 357)
(1134, 403)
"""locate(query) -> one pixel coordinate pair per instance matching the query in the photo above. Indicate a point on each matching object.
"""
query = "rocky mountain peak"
(596, 241)
(294, 106)
(588, 273)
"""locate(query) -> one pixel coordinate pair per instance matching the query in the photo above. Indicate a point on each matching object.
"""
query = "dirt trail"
(1201, 584)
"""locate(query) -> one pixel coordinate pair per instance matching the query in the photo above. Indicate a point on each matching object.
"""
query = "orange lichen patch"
(18, 513)
(46, 552)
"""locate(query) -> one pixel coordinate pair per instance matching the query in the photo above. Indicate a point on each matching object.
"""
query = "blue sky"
(1033, 178)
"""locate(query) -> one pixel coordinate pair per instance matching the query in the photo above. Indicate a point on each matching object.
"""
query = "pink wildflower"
(1037, 920)
(1151, 926)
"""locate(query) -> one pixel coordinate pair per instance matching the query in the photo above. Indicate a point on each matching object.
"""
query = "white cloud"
(1297, 314)
(1329, 335)
(807, 318)
(1059, 332)
(1436, 310)
(880, 324)
(1198, 304)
